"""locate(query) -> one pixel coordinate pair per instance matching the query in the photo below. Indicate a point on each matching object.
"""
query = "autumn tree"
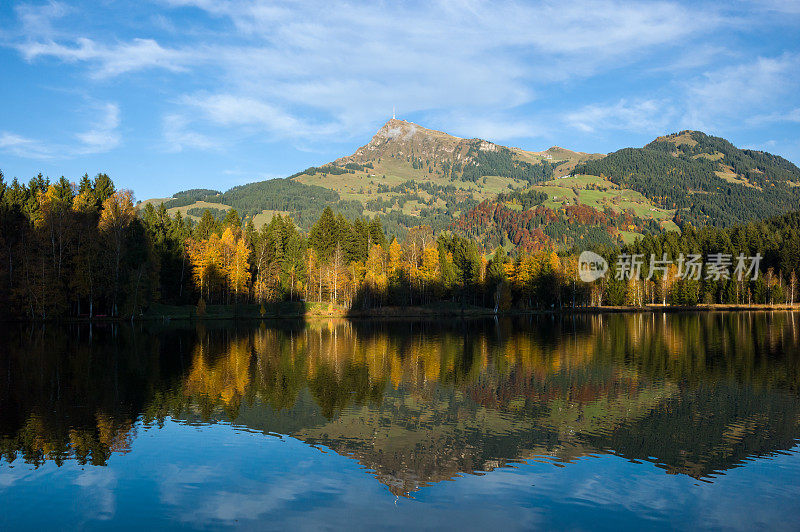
(116, 217)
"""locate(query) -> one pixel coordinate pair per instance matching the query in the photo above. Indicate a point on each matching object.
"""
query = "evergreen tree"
(206, 226)
(325, 234)
(103, 188)
(232, 219)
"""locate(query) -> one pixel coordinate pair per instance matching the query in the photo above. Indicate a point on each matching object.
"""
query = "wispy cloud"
(101, 136)
(346, 65)
(254, 114)
(228, 110)
(701, 56)
(740, 91)
(23, 146)
(496, 127)
(42, 33)
(39, 18)
(256, 77)
(642, 116)
(791, 116)
(789, 7)
(729, 97)
(110, 60)
(353, 62)
(178, 135)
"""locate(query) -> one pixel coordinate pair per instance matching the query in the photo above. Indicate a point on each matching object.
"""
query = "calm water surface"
(587, 422)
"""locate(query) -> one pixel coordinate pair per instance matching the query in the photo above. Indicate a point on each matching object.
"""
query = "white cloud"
(40, 36)
(354, 62)
(22, 146)
(102, 136)
(348, 64)
(297, 70)
(738, 92)
(700, 56)
(98, 488)
(40, 17)
(789, 7)
(110, 60)
(496, 127)
(253, 114)
(178, 136)
(227, 109)
(643, 116)
(745, 94)
(775, 118)
(602, 27)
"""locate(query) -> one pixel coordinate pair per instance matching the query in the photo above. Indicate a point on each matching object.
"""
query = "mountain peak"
(400, 138)
(394, 128)
(687, 137)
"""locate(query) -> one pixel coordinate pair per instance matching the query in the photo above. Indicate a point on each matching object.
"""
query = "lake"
(658, 421)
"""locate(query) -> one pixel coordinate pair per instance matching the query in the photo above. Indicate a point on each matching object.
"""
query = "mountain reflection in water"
(419, 402)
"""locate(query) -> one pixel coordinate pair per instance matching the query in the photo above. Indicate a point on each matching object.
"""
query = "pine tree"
(103, 188)
(324, 235)
(376, 234)
(206, 226)
(232, 220)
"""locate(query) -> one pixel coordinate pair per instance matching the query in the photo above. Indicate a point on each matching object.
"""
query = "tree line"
(72, 249)
(501, 162)
(85, 250)
(776, 240)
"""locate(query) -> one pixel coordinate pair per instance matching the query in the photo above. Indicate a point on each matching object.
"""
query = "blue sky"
(176, 94)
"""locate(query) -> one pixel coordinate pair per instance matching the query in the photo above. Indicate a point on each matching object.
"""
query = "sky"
(167, 95)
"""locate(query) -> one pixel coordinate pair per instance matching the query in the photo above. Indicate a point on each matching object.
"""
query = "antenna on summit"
(393, 116)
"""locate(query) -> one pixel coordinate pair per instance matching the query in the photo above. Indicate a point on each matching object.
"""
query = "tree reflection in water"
(420, 402)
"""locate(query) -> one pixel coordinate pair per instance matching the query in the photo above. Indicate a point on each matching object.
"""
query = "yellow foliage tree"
(429, 270)
(238, 274)
(118, 213)
(395, 254)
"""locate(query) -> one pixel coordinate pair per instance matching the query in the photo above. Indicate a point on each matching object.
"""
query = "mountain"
(410, 175)
(407, 174)
(682, 178)
(442, 152)
(707, 180)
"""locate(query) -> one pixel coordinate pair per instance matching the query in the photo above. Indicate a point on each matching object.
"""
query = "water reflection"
(418, 403)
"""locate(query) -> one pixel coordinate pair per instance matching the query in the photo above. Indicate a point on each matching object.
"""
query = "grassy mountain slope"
(407, 174)
(447, 171)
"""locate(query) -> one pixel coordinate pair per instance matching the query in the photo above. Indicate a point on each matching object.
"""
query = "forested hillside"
(188, 197)
(414, 217)
(534, 227)
(706, 179)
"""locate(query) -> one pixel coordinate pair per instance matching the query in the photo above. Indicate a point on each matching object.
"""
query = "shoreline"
(166, 313)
